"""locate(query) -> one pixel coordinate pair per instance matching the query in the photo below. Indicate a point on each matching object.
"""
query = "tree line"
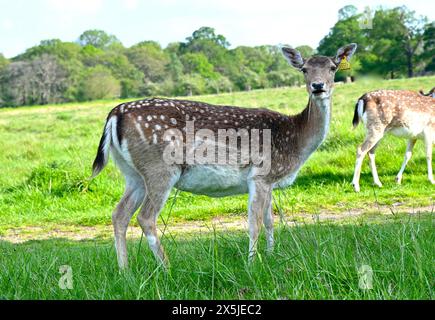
(98, 66)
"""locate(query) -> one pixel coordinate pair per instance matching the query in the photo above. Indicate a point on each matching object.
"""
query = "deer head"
(319, 71)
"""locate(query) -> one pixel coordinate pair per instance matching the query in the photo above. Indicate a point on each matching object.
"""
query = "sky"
(24, 23)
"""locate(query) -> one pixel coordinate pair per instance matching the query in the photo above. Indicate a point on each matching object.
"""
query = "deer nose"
(317, 85)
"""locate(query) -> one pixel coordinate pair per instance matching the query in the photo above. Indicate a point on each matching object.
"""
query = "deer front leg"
(268, 224)
(259, 193)
(408, 154)
(373, 168)
(372, 138)
(428, 141)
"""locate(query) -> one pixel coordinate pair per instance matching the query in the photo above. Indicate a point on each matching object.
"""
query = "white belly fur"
(404, 132)
(214, 180)
(222, 181)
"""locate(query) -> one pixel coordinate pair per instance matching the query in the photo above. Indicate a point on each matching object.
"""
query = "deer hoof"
(399, 180)
(379, 184)
(356, 187)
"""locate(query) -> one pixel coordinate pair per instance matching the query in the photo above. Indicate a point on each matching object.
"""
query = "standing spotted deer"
(134, 135)
(402, 113)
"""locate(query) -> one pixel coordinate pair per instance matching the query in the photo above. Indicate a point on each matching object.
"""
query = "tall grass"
(319, 261)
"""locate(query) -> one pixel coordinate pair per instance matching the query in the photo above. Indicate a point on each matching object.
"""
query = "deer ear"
(293, 56)
(346, 51)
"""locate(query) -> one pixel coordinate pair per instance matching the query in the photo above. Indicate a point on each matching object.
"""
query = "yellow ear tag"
(344, 64)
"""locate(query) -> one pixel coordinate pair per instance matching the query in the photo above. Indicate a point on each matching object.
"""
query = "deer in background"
(134, 133)
(406, 114)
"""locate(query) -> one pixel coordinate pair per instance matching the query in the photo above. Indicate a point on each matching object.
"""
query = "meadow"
(46, 157)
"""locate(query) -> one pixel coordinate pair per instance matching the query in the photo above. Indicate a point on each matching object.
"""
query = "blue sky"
(23, 23)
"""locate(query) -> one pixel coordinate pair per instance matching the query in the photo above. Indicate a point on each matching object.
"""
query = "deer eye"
(333, 68)
(304, 70)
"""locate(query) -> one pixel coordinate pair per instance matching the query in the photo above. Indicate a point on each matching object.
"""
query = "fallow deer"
(134, 135)
(406, 114)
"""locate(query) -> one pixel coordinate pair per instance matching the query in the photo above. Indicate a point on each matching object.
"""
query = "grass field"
(46, 156)
(319, 261)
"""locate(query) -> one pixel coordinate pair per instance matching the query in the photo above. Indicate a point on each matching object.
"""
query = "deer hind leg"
(129, 203)
(259, 199)
(158, 187)
(373, 168)
(408, 154)
(428, 142)
(372, 138)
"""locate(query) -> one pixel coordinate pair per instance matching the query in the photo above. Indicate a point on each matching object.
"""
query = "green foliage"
(190, 84)
(399, 44)
(428, 55)
(150, 59)
(207, 34)
(3, 61)
(199, 64)
(306, 51)
(99, 83)
(98, 39)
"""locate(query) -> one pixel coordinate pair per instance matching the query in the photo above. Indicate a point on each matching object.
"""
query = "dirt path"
(78, 233)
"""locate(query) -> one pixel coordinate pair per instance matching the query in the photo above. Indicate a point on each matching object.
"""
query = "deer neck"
(313, 125)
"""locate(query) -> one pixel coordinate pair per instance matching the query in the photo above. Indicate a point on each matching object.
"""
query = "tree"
(16, 84)
(49, 80)
(306, 51)
(214, 47)
(346, 30)
(396, 37)
(150, 59)
(347, 12)
(99, 39)
(199, 64)
(98, 83)
(174, 68)
(40, 81)
(219, 84)
(207, 33)
(54, 47)
(3, 61)
(191, 84)
(427, 57)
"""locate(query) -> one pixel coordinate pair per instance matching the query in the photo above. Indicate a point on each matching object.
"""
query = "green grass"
(47, 152)
(319, 261)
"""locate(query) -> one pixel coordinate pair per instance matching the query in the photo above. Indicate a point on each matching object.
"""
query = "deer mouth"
(317, 92)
